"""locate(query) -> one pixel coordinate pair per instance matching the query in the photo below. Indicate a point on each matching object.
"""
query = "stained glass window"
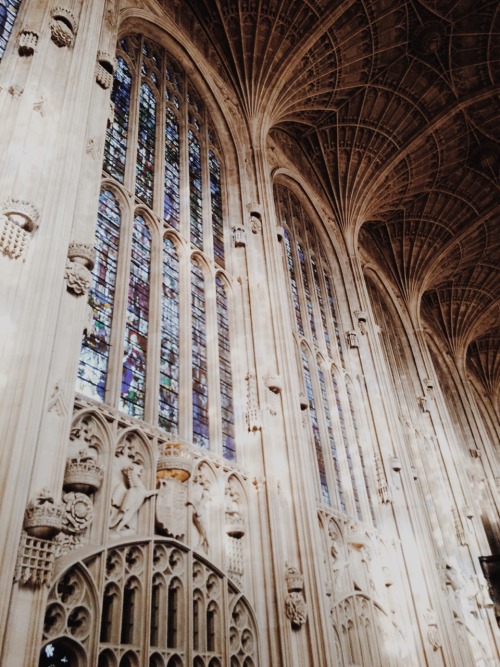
(321, 303)
(94, 357)
(331, 438)
(146, 145)
(115, 149)
(199, 358)
(315, 429)
(333, 313)
(360, 450)
(133, 388)
(195, 200)
(345, 438)
(307, 292)
(169, 354)
(8, 12)
(293, 282)
(226, 381)
(171, 203)
(216, 206)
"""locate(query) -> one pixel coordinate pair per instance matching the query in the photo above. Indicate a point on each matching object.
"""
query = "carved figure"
(124, 512)
(432, 629)
(296, 608)
(201, 491)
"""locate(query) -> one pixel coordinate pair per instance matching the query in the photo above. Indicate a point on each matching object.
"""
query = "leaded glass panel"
(8, 12)
(226, 381)
(115, 149)
(169, 354)
(199, 358)
(145, 168)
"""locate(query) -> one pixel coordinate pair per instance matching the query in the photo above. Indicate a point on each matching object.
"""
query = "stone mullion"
(133, 124)
(53, 118)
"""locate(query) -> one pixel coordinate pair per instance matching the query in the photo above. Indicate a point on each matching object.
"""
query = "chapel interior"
(250, 333)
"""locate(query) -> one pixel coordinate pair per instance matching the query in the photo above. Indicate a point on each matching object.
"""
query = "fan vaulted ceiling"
(396, 103)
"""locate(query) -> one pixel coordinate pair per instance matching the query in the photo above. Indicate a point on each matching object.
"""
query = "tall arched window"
(8, 12)
(159, 338)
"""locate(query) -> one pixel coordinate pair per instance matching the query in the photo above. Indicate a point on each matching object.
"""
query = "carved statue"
(201, 493)
(129, 492)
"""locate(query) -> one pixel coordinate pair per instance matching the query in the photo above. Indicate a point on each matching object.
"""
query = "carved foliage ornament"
(18, 221)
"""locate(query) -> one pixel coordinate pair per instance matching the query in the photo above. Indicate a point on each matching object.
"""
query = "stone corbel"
(80, 262)
(63, 27)
(28, 40)
(18, 222)
(362, 318)
(105, 69)
(255, 211)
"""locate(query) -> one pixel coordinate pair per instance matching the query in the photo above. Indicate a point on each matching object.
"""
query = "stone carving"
(201, 496)
(423, 403)
(57, 402)
(79, 512)
(352, 339)
(18, 221)
(295, 604)
(28, 39)
(362, 319)
(16, 91)
(129, 492)
(39, 106)
(235, 523)
(43, 517)
(105, 69)
(83, 474)
(433, 634)
(239, 236)
(63, 27)
(252, 412)
(255, 211)
(92, 148)
(396, 464)
(78, 276)
(173, 468)
(459, 529)
(35, 561)
(382, 485)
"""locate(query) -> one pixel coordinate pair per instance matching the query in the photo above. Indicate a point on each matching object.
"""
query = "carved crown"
(174, 461)
(294, 580)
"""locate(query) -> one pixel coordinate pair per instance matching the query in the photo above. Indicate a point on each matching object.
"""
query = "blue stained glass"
(171, 205)
(345, 439)
(8, 12)
(169, 350)
(199, 358)
(331, 438)
(321, 303)
(307, 292)
(333, 313)
(146, 145)
(136, 329)
(115, 149)
(293, 283)
(216, 205)
(195, 200)
(226, 381)
(315, 429)
(360, 452)
(93, 366)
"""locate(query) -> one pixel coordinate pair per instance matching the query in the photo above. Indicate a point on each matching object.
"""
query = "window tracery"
(8, 13)
(161, 135)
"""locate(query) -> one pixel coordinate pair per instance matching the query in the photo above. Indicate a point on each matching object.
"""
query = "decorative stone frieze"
(35, 561)
(105, 69)
(352, 339)
(43, 517)
(295, 604)
(78, 276)
(28, 40)
(18, 222)
(63, 27)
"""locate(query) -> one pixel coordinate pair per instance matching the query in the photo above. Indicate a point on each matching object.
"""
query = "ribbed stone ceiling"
(396, 104)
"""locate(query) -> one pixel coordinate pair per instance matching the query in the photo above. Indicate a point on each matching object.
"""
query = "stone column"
(54, 105)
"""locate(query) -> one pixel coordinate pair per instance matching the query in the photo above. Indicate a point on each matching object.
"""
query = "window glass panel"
(226, 382)
(171, 205)
(169, 354)
(216, 206)
(315, 429)
(331, 438)
(321, 303)
(8, 12)
(199, 358)
(293, 282)
(136, 328)
(333, 313)
(146, 145)
(307, 292)
(94, 357)
(115, 149)
(195, 200)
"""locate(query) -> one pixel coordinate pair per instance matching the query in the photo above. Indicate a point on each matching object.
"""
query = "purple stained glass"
(315, 429)
(199, 358)
(145, 168)
(8, 12)
(195, 199)
(115, 149)
(216, 206)
(171, 205)
(293, 283)
(132, 393)
(168, 417)
(226, 380)
(94, 357)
